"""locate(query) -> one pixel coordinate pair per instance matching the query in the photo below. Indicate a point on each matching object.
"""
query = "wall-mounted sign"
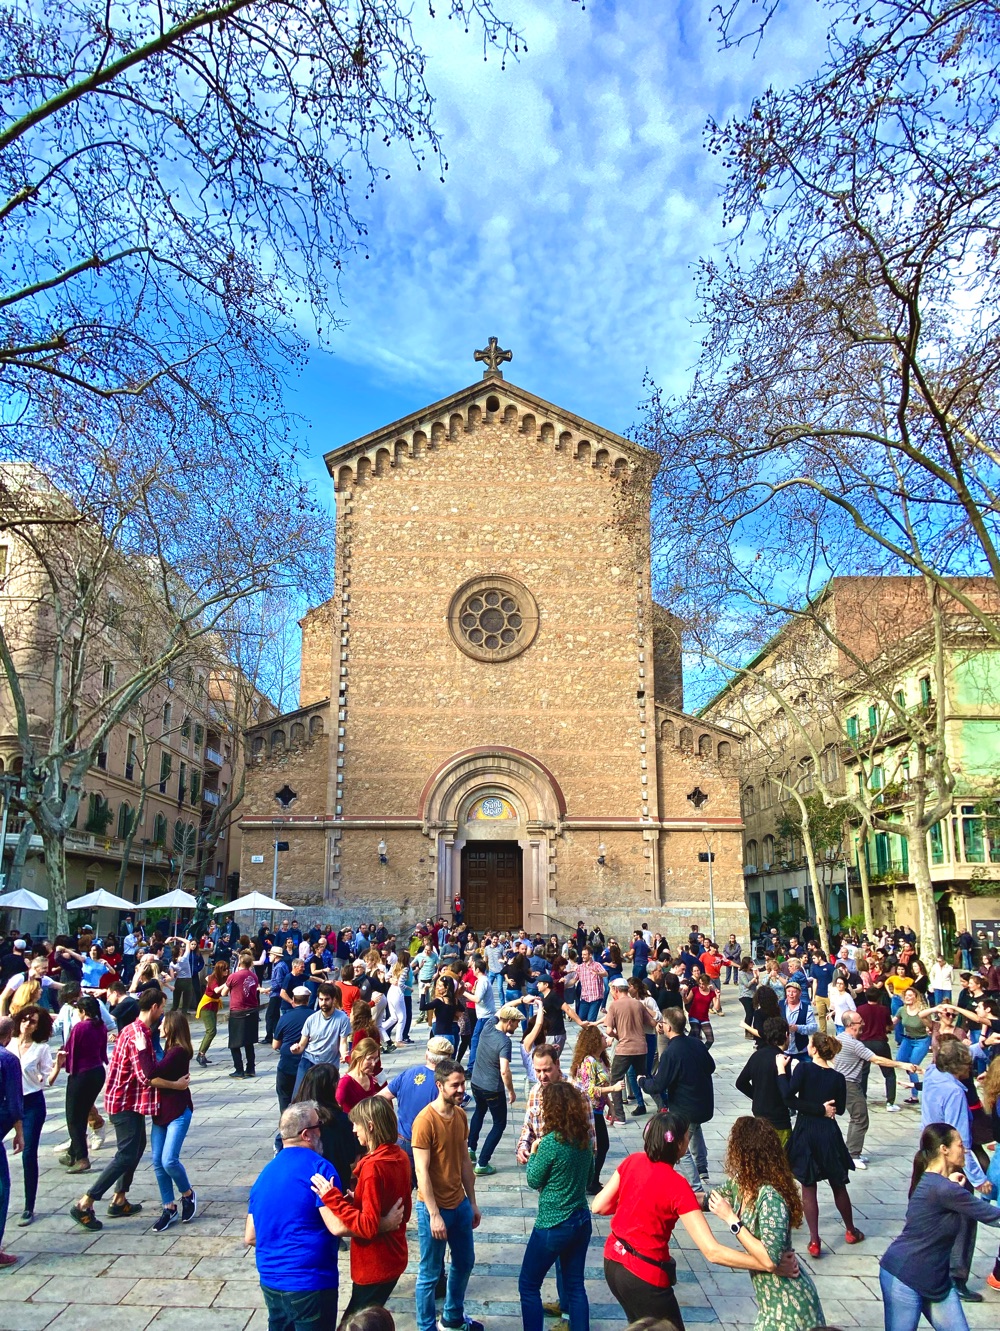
(256, 859)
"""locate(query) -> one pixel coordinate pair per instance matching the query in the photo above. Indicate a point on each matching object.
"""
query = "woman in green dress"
(762, 1196)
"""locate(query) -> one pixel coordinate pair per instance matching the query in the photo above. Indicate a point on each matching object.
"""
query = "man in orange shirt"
(711, 964)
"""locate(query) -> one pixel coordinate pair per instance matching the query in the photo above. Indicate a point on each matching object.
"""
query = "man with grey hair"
(295, 1237)
(851, 1063)
(412, 1090)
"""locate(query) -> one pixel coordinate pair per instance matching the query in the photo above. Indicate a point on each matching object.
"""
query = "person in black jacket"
(683, 1083)
(759, 1078)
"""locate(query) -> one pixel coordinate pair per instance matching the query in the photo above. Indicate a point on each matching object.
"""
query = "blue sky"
(578, 198)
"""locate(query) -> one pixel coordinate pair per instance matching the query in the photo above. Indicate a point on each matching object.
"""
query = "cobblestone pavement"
(199, 1276)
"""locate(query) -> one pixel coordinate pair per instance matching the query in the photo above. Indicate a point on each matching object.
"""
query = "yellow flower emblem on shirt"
(420, 1078)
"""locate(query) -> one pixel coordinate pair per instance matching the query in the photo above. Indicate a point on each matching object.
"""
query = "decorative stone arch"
(527, 785)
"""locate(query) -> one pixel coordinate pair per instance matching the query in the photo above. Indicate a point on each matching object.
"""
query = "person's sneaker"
(472, 1155)
(992, 1281)
(201, 1060)
(485, 1169)
(249, 1076)
(617, 1122)
(66, 1158)
(119, 1211)
(892, 1109)
(189, 1207)
(470, 1324)
(85, 1218)
(79, 1167)
(858, 1162)
(638, 1113)
(911, 1100)
(97, 1137)
(166, 1218)
(7, 1259)
(62, 1148)
(552, 1309)
(236, 1076)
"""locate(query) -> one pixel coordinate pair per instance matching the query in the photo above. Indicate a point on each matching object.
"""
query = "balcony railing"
(209, 880)
(211, 797)
(213, 756)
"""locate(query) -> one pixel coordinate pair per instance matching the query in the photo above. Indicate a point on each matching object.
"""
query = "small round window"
(493, 618)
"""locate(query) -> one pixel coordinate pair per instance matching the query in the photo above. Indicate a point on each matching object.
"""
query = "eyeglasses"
(311, 1127)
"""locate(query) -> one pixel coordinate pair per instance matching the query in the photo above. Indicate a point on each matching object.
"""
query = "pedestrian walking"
(242, 987)
(493, 1085)
(171, 1120)
(560, 1167)
(447, 1211)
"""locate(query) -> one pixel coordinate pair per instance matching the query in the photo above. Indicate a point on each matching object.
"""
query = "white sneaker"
(97, 1137)
(858, 1162)
(892, 1109)
(63, 1146)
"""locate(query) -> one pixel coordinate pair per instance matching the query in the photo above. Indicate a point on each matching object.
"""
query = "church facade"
(491, 702)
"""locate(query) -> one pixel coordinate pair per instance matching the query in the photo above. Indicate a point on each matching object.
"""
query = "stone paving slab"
(199, 1277)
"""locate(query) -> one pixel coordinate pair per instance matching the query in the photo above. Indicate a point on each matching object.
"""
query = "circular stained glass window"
(493, 618)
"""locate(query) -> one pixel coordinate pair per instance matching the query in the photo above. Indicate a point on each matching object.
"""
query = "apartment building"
(837, 702)
(158, 798)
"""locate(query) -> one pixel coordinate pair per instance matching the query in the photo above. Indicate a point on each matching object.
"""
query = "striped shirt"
(590, 977)
(128, 1088)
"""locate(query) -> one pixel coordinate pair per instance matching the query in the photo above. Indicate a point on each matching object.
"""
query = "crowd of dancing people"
(592, 1033)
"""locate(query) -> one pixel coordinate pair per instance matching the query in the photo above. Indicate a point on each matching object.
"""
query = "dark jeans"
(34, 1117)
(4, 1189)
(603, 1145)
(271, 1015)
(620, 1065)
(300, 1310)
(566, 1244)
(184, 995)
(880, 1047)
(82, 1090)
(238, 1053)
(130, 1142)
(640, 1299)
(369, 1296)
(590, 1009)
(496, 1103)
(408, 1004)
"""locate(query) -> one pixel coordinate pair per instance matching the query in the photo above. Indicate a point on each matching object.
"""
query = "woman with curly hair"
(762, 1198)
(559, 1167)
(590, 1072)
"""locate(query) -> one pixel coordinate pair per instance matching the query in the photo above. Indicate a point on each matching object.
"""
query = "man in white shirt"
(326, 1036)
(484, 996)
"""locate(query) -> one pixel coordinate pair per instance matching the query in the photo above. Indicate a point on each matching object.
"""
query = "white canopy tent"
(252, 901)
(175, 900)
(100, 900)
(22, 899)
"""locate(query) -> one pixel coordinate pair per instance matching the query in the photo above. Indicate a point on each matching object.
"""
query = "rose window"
(493, 619)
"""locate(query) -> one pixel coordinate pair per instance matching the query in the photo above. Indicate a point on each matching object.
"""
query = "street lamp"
(709, 856)
(601, 853)
(383, 852)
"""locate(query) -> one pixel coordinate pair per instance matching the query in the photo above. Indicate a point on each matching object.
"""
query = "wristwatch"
(736, 1226)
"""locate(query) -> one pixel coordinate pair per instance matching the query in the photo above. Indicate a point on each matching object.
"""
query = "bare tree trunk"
(54, 845)
(20, 854)
(818, 887)
(927, 916)
(866, 893)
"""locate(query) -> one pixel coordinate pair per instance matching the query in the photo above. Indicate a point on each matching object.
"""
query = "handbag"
(669, 1266)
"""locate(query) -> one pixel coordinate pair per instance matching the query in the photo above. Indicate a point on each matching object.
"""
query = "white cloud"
(578, 199)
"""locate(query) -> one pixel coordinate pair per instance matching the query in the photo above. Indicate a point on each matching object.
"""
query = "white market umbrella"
(176, 900)
(252, 901)
(100, 900)
(22, 899)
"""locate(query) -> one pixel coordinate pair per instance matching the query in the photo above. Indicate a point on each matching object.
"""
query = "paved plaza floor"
(200, 1276)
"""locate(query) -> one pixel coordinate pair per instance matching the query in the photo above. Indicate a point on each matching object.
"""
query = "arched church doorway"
(492, 884)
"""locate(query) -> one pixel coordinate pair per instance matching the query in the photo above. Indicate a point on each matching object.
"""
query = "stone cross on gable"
(493, 357)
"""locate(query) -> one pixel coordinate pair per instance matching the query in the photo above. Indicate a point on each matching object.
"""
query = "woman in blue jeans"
(559, 1167)
(914, 1271)
(32, 1029)
(171, 1122)
(912, 1023)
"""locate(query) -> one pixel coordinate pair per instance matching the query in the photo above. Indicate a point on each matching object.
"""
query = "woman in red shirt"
(243, 1013)
(359, 1081)
(645, 1197)
(382, 1183)
(701, 1002)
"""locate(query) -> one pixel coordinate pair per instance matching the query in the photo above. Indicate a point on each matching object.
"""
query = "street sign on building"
(256, 859)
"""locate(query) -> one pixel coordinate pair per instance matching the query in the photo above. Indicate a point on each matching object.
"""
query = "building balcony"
(209, 880)
(213, 756)
(211, 797)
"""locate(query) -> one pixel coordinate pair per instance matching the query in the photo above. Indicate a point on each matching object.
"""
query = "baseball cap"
(300, 991)
(20, 944)
(509, 1013)
(619, 983)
